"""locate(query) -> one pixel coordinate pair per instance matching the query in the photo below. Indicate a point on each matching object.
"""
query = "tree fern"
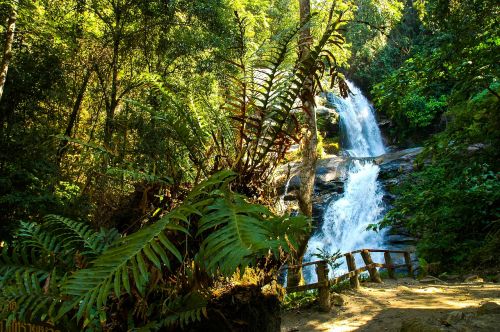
(261, 97)
(260, 103)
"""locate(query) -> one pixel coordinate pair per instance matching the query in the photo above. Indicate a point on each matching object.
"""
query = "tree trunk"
(113, 100)
(309, 143)
(73, 116)
(7, 51)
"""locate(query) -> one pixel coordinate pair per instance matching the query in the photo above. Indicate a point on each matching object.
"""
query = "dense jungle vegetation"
(140, 139)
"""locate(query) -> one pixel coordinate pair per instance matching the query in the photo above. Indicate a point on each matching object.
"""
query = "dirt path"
(385, 307)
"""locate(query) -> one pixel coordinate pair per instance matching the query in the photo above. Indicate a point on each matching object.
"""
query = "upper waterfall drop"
(361, 134)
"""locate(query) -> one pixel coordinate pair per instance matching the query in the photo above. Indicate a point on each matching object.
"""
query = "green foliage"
(300, 300)
(63, 268)
(452, 202)
(35, 265)
(407, 98)
(381, 34)
(70, 78)
(240, 231)
(445, 67)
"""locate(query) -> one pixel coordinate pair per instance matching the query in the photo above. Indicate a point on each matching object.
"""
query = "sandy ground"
(383, 307)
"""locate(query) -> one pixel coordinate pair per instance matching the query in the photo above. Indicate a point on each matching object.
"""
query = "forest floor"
(403, 303)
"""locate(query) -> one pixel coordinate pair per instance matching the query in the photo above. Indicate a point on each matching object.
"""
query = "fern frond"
(184, 310)
(15, 261)
(30, 299)
(129, 258)
(32, 235)
(127, 263)
(237, 234)
(240, 232)
(79, 236)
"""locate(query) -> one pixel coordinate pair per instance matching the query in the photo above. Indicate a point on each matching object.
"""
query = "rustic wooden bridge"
(324, 283)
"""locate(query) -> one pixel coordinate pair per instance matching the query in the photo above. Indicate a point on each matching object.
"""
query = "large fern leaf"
(240, 232)
(127, 263)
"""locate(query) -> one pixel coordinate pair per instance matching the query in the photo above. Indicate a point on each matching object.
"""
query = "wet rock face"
(396, 165)
(329, 185)
(329, 173)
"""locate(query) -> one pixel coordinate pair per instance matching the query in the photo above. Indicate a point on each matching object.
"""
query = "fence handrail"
(324, 282)
(351, 252)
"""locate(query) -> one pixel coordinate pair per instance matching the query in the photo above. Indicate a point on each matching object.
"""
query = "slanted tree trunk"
(73, 116)
(7, 50)
(309, 143)
(113, 102)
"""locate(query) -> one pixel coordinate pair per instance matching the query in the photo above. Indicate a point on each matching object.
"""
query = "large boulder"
(328, 122)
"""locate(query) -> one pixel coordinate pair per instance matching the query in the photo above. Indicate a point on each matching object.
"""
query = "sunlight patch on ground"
(382, 307)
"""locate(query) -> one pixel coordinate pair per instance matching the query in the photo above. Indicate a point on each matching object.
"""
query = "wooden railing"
(324, 283)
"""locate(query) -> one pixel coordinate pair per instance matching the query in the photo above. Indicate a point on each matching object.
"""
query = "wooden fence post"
(389, 266)
(351, 265)
(408, 264)
(324, 288)
(374, 275)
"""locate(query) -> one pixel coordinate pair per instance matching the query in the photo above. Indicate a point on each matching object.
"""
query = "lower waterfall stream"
(346, 218)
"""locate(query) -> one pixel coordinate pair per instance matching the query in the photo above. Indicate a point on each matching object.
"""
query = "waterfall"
(358, 125)
(282, 203)
(345, 219)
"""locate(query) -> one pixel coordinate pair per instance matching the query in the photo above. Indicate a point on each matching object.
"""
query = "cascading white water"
(345, 219)
(359, 127)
